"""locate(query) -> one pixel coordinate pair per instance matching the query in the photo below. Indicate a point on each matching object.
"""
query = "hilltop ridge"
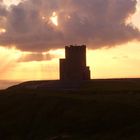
(96, 85)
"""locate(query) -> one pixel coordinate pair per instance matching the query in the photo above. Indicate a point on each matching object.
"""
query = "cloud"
(3, 10)
(36, 57)
(97, 23)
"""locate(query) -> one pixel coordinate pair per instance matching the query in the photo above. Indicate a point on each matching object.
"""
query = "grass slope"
(99, 110)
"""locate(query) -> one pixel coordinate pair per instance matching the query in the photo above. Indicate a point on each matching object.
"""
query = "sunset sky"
(33, 34)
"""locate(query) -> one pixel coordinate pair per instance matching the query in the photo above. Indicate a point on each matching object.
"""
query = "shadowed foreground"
(100, 109)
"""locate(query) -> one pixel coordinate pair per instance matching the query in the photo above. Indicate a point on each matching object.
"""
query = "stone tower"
(73, 67)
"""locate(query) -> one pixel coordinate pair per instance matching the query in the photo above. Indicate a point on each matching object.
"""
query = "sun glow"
(2, 31)
(59, 53)
(54, 19)
(12, 54)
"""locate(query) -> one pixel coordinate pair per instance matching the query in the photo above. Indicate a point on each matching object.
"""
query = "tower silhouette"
(73, 67)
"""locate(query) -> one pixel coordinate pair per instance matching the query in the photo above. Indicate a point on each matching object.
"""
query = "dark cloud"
(97, 23)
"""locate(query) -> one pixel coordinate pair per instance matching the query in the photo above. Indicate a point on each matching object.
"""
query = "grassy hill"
(99, 109)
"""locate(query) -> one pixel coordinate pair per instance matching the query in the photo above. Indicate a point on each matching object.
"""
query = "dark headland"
(127, 85)
(72, 108)
(99, 109)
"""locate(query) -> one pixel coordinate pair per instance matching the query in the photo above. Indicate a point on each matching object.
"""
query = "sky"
(33, 34)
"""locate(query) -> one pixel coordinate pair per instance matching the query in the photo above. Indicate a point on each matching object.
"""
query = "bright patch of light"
(11, 54)
(14, 54)
(43, 18)
(68, 17)
(44, 53)
(17, 54)
(11, 2)
(136, 17)
(2, 31)
(58, 53)
(54, 19)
